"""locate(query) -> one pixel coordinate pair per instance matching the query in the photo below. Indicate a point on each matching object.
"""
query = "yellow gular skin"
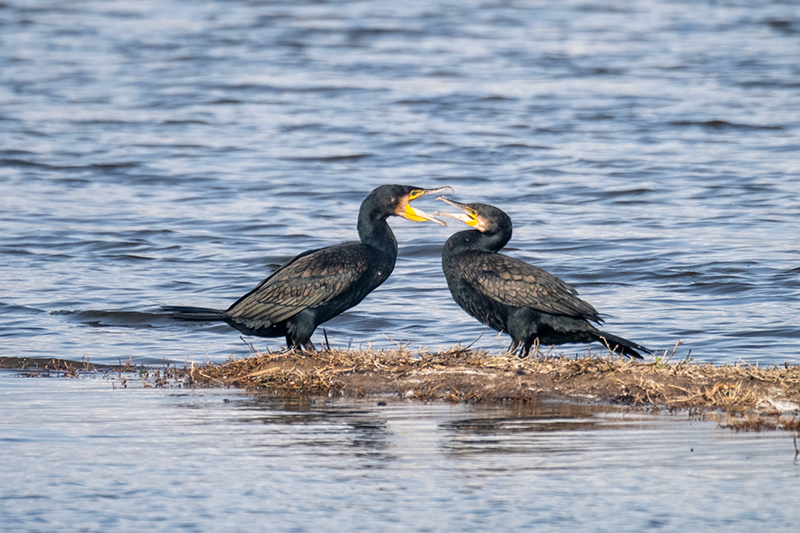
(411, 214)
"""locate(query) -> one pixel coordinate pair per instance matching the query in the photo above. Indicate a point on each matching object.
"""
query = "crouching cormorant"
(512, 296)
(317, 285)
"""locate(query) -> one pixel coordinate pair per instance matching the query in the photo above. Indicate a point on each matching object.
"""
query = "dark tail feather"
(622, 346)
(197, 314)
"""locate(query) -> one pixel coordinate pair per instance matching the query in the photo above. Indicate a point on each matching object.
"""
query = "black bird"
(317, 285)
(514, 297)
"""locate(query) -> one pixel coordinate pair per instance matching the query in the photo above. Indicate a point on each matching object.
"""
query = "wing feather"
(309, 280)
(518, 284)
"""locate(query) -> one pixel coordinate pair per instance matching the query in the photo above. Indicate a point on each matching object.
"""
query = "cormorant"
(514, 297)
(317, 285)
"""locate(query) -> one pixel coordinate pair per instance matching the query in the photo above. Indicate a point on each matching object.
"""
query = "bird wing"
(309, 280)
(518, 284)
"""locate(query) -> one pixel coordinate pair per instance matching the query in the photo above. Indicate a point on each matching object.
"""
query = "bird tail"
(622, 346)
(196, 314)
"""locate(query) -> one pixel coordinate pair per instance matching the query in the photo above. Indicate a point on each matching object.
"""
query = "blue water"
(174, 153)
(81, 455)
(159, 153)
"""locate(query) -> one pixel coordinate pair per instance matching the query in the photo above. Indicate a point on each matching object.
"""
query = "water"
(172, 153)
(153, 153)
(157, 154)
(91, 457)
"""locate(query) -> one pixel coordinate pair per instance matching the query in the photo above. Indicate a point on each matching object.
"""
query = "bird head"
(484, 218)
(396, 200)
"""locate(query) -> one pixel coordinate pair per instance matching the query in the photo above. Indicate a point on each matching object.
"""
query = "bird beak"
(418, 215)
(465, 217)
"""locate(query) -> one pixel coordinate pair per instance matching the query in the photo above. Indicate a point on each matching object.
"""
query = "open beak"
(418, 215)
(468, 217)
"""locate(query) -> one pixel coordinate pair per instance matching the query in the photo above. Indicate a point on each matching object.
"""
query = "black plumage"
(511, 296)
(317, 285)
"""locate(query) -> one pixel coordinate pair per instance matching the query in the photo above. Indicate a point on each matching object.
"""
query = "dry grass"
(749, 397)
(460, 375)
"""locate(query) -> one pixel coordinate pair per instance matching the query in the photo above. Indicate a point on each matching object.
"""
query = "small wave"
(225, 101)
(523, 146)
(14, 162)
(185, 122)
(636, 191)
(769, 84)
(328, 158)
(718, 124)
(785, 26)
(20, 309)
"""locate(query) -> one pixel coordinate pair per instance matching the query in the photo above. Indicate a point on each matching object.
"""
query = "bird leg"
(295, 345)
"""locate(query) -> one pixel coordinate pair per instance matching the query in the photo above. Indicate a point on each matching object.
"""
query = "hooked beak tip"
(428, 192)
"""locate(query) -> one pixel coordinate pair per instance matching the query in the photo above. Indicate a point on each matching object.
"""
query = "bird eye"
(413, 194)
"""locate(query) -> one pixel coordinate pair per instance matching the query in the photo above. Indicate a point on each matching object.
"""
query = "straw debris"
(748, 397)
(462, 375)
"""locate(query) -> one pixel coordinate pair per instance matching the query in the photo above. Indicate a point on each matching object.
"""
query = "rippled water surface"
(163, 153)
(166, 153)
(91, 457)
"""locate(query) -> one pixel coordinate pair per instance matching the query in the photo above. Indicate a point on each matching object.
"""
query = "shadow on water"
(116, 318)
(120, 318)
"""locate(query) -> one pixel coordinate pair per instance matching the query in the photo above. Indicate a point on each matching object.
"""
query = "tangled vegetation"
(748, 397)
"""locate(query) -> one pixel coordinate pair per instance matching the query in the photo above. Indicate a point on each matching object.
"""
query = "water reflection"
(302, 422)
(206, 459)
(381, 432)
(508, 436)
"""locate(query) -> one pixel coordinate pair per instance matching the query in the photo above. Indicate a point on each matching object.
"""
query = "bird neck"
(474, 240)
(374, 231)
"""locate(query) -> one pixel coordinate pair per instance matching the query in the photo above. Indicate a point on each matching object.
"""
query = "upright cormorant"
(514, 297)
(317, 285)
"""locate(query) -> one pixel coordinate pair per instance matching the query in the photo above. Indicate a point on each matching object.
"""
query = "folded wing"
(309, 280)
(518, 284)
